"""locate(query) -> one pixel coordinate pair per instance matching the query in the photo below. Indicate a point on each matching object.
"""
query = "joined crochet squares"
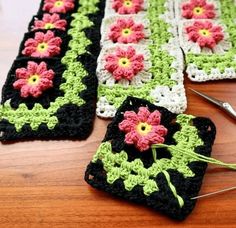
(206, 34)
(34, 79)
(42, 45)
(50, 22)
(127, 6)
(163, 178)
(58, 6)
(126, 31)
(51, 87)
(198, 9)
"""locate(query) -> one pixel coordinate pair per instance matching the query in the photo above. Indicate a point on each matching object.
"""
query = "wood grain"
(41, 182)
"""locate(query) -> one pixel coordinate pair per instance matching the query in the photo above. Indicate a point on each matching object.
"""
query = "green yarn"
(208, 62)
(73, 76)
(161, 69)
(134, 173)
(88, 7)
(194, 155)
(173, 189)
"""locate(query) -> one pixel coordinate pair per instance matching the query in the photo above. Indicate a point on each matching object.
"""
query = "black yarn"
(162, 200)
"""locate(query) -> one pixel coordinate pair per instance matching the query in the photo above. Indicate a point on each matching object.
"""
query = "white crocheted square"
(110, 11)
(105, 77)
(111, 21)
(189, 46)
(191, 9)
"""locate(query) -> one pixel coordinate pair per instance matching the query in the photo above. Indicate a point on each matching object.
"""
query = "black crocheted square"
(39, 17)
(13, 95)
(57, 33)
(163, 178)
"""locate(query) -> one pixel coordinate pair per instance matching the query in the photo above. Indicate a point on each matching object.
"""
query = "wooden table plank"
(41, 182)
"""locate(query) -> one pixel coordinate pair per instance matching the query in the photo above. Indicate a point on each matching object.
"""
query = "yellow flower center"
(126, 32)
(128, 3)
(124, 62)
(143, 128)
(58, 3)
(49, 26)
(34, 79)
(42, 47)
(198, 10)
(204, 32)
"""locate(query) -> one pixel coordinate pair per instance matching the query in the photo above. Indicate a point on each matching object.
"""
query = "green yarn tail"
(167, 176)
(194, 155)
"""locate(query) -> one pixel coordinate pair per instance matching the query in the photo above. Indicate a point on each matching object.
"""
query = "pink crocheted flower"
(43, 45)
(34, 79)
(58, 6)
(198, 9)
(143, 129)
(205, 33)
(50, 22)
(126, 31)
(124, 64)
(127, 6)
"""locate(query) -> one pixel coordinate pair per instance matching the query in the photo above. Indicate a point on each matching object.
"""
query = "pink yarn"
(51, 6)
(134, 63)
(26, 83)
(53, 20)
(117, 34)
(153, 134)
(211, 40)
(51, 43)
(120, 7)
(207, 10)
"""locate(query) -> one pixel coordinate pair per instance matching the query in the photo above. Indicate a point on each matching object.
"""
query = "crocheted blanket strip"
(207, 36)
(140, 56)
(166, 180)
(51, 87)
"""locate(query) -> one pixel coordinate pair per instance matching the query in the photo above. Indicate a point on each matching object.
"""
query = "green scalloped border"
(73, 76)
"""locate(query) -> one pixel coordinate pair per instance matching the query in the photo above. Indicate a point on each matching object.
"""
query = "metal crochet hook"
(222, 104)
(215, 193)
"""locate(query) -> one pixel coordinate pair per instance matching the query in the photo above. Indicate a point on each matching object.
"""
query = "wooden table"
(41, 182)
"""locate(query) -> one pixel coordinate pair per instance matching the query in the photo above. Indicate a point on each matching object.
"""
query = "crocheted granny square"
(140, 56)
(190, 28)
(207, 36)
(121, 7)
(148, 156)
(51, 87)
(197, 9)
(118, 29)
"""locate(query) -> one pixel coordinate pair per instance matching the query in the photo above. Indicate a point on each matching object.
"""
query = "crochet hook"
(214, 193)
(222, 104)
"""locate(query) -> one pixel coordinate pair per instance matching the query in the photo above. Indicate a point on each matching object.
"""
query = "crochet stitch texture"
(51, 87)
(203, 29)
(213, 56)
(147, 27)
(165, 181)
